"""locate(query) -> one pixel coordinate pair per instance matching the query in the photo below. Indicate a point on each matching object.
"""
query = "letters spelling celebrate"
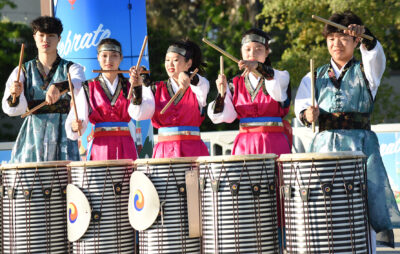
(80, 42)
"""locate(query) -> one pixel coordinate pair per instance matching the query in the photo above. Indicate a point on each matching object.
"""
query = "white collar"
(112, 87)
(336, 68)
(254, 80)
(174, 85)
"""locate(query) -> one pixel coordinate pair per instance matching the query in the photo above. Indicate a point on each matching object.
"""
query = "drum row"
(220, 204)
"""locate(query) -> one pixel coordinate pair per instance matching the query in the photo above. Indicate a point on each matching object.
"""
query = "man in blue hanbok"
(345, 90)
(42, 136)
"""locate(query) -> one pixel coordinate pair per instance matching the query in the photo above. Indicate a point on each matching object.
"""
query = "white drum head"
(144, 203)
(78, 213)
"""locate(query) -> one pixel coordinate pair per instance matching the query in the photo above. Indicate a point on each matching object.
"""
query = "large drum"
(106, 186)
(170, 232)
(325, 201)
(238, 204)
(33, 207)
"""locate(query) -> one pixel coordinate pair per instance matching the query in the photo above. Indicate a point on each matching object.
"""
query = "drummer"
(42, 136)
(259, 98)
(103, 101)
(345, 93)
(178, 128)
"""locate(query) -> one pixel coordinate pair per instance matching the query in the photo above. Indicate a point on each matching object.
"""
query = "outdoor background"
(296, 38)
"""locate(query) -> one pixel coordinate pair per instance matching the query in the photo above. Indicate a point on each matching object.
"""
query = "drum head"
(144, 203)
(78, 213)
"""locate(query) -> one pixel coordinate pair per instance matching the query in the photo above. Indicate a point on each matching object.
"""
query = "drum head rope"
(182, 195)
(256, 203)
(350, 206)
(272, 204)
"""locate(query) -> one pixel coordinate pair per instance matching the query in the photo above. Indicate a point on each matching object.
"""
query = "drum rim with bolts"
(321, 156)
(103, 163)
(28, 165)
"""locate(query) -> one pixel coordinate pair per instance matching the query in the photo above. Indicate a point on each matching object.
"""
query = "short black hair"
(48, 25)
(110, 41)
(343, 18)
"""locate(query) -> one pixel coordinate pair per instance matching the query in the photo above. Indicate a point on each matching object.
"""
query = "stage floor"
(385, 250)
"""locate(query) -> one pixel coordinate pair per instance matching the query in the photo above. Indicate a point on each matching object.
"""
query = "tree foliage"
(298, 38)
(12, 34)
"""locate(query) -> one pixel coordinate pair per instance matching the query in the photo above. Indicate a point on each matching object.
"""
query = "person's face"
(175, 64)
(254, 51)
(46, 43)
(109, 60)
(341, 47)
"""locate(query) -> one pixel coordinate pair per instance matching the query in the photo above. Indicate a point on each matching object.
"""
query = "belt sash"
(344, 121)
(107, 129)
(178, 133)
(261, 124)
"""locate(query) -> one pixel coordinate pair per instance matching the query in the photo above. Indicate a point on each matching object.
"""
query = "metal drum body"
(106, 186)
(33, 207)
(325, 202)
(170, 232)
(238, 203)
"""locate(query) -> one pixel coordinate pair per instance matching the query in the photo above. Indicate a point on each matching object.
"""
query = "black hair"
(343, 18)
(193, 52)
(264, 35)
(48, 25)
(110, 41)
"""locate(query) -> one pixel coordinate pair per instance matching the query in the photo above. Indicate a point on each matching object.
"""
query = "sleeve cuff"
(265, 70)
(303, 119)
(137, 92)
(63, 85)
(10, 103)
(369, 45)
(219, 104)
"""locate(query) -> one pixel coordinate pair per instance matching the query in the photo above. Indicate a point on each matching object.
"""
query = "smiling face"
(254, 51)
(46, 43)
(175, 64)
(109, 60)
(341, 47)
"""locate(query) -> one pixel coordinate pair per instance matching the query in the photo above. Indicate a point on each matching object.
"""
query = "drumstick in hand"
(181, 90)
(21, 58)
(312, 90)
(339, 26)
(41, 105)
(223, 52)
(221, 70)
(138, 64)
(71, 88)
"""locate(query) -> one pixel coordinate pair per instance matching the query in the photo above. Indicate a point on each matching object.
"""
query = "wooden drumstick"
(221, 70)
(312, 90)
(328, 22)
(21, 58)
(223, 52)
(181, 90)
(71, 88)
(138, 64)
(41, 105)
(117, 71)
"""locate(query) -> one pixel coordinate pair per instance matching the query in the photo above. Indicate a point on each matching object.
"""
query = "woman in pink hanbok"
(103, 101)
(178, 127)
(259, 98)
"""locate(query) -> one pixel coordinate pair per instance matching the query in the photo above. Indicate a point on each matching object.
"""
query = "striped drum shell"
(325, 202)
(33, 207)
(240, 215)
(98, 180)
(169, 233)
